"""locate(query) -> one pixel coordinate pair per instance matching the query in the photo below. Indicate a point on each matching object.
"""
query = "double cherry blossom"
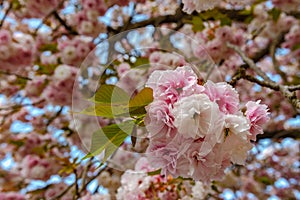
(196, 131)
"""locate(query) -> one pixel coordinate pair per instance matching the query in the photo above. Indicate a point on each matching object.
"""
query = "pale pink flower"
(11, 196)
(237, 148)
(123, 68)
(159, 120)
(224, 95)
(169, 85)
(199, 5)
(238, 125)
(257, 114)
(196, 116)
(167, 155)
(206, 167)
(5, 37)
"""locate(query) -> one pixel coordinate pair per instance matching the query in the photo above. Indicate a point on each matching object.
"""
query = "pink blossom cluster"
(56, 189)
(33, 161)
(203, 5)
(11, 196)
(287, 6)
(292, 39)
(158, 7)
(74, 51)
(161, 60)
(138, 184)
(10, 180)
(86, 20)
(36, 9)
(96, 197)
(35, 86)
(17, 50)
(196, 131)
(199, 5)
(59, 90)
(214, 42)
(35, 167)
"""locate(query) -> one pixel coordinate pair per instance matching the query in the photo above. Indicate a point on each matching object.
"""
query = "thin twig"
(273, 55)
(13, 107)
(48, 15)
(267, 82)
(249, 61)
(62, 22)
(277, 134)
(293, 87)
(5, 15)
(84, 174)
(55, 116)
(12, 74)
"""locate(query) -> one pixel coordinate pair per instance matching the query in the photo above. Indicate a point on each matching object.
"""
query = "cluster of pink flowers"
(16, 50)
(158, 7)
(74, 51)
(196, 131)
(292, 38)
(59, 90)
(137, 184)
(11, 196)
(86, 20)
(35, 167)
(214, 44)
(202, 5)
(287, 6)
(33, 8)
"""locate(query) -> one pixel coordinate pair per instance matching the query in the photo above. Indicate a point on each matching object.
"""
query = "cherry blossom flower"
(258, 115)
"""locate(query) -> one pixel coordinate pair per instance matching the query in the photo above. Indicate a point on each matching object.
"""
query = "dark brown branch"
(291, 96)
(179, 15)
(14, 107)
(47, 16)
(294, 87)
(261, 83)
(12, 74)
(273, 47)
(249, 62)
(5, 15)
(279, 134)
(62, 22)
(55, 116)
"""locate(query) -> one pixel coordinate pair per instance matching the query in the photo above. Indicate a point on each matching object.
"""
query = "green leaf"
(138, 102)
(107, 110)
(225, 21)
(110, 101)
(197, 24)
(110, 94)
(295, 47)
(156, 172)
(109, 138)
(18, 143)
(275, 13)
(49, 47)
(265, 180)
(140, 61)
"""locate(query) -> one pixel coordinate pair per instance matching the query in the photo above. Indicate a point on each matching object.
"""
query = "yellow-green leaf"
(110, 94)
(109, 138)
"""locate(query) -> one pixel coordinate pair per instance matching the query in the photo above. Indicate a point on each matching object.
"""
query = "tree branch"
(267, 81)
(12, 74)
(249, 61)
(62, 22)
(5, 15)
(278, 134)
